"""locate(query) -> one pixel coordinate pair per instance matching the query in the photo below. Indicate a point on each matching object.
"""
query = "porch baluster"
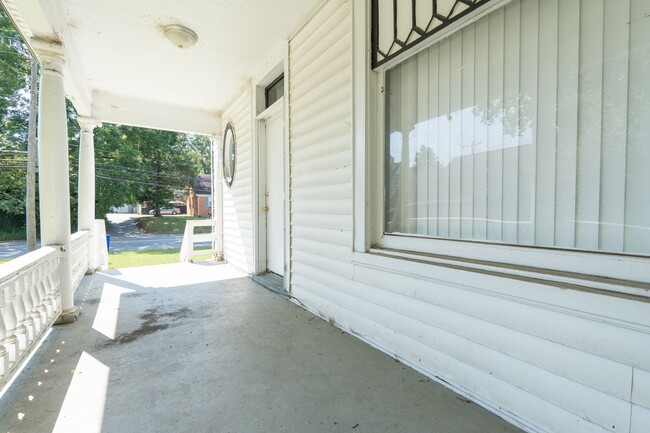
(4, 354)
(10, 340)
(44, 304)
(52, 282)
(21, 326)
(35, 313)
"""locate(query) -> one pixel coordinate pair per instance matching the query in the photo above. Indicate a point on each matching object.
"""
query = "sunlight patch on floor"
(83, 406)
(108, 310)
(177, 274)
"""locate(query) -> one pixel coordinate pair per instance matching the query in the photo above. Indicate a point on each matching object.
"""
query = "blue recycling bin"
(108, 242)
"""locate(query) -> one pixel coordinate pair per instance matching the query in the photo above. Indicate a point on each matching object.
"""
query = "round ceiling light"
(180, 36)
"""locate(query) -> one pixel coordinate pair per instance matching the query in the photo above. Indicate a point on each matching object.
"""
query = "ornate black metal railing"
(443, 13)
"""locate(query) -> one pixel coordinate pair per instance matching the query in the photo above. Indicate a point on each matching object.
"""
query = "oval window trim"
(229, 155)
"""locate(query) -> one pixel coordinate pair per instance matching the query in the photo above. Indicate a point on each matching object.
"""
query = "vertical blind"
(530, 126)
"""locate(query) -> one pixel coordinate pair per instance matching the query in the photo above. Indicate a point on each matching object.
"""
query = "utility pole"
(31, 159)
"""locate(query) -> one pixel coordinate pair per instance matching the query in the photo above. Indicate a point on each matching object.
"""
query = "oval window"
(229, 155)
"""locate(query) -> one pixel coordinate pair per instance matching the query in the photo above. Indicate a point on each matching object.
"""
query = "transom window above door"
(274, 91)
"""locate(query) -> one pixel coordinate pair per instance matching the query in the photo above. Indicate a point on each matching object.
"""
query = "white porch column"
(217, 194)
(86, 202)
(53, 175)
(86, 189)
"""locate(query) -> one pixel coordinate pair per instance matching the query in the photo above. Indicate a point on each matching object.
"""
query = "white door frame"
(272, 112)
(259, 164)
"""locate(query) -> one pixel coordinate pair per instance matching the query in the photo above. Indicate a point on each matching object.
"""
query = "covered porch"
(511, 263)
(202, 348)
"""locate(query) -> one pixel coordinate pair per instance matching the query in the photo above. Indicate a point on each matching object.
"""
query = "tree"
(14, 110)
(116, 169)
(145, 165)
(169, 162)
(198, 148)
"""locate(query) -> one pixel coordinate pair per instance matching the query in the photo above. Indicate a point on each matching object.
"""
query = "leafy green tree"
(116, 168)
(14, 85)
(14, 111)
(168, 164)
(198, 148)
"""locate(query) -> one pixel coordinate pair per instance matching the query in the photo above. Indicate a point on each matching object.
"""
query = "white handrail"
(30, 301)
(190, 238)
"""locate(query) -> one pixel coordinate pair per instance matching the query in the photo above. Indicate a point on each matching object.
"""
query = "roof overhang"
(119, 68)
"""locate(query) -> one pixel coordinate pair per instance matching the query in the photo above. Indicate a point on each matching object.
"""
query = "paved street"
(125, 236)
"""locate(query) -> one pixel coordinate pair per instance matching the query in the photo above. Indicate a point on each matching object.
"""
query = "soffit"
(120, 49)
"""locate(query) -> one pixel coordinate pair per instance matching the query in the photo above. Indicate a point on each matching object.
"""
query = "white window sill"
(430, 266)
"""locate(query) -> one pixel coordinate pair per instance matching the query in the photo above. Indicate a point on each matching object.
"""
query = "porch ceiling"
(118, 57)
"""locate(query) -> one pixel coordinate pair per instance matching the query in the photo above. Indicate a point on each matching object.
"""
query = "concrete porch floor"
(202, 348)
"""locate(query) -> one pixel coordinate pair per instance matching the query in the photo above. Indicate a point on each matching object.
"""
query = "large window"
(530, 126)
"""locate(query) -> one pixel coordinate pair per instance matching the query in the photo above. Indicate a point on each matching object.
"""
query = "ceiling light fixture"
(180, 36)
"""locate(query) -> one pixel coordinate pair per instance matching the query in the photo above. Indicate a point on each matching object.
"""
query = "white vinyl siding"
(320, 111)
(550, 358)
(529, 127)
(237, 200)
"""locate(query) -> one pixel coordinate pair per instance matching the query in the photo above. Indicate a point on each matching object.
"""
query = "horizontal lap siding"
(320, 89)
(237, 201)
(551, 358)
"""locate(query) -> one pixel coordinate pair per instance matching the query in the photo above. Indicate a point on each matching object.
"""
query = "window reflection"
(525, 134)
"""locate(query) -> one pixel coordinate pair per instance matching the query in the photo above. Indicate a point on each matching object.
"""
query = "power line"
(147, 172)
(139, 182)
(108, 173)
(99, 176)
(115, 167)
(101, 167)
(113, 173)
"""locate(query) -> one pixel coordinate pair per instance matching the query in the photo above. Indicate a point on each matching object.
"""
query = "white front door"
(274, 139)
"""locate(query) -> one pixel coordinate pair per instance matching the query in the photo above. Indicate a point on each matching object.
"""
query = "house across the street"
(199, 196)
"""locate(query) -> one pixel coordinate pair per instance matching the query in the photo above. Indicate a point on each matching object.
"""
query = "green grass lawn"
(167, 224)
(131, 259)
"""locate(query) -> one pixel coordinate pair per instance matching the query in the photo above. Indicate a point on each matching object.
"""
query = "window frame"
(270, 86)
(228, 180)
(611, 272)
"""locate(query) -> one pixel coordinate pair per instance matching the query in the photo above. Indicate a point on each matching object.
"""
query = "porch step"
(271, 281)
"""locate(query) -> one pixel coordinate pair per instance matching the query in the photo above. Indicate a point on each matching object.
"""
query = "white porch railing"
(79, 254)
(30, 302)
(99, 249)
(190, 238)
(30, 297)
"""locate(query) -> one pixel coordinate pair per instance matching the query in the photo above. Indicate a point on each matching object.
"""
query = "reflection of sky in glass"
(506, 123)
(446, 138)
(396, 146)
